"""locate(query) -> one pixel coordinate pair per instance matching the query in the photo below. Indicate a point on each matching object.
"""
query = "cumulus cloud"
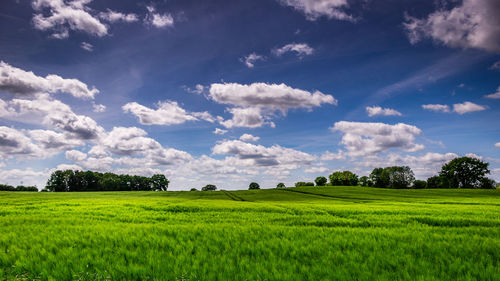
(371, 138)
(249, 137)
(98, 107)
(436, 107)
(158, 20)
(377, 110)
(497, 144)
(198, 89)
(24, 176)
(168, 113)
(50, 140)
(263, 156)
(250, 60)
(316, 170)
(314, 9)
(467, 107)
(300, 50)
(63, 16)
(494, 95)
(219, 131)
(330, 156)
(17, 81)
(87, 46)
(255, 103)
(75, 155)
(470, 24)
(113, 16)
(15, 143)
(57, 115)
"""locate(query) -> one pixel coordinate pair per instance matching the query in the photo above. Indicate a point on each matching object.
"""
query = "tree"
(434, 182)
(194, 189)
(376, 178)
(56, 182)
(398, 176)
(365, 181)
(209, 187)
(418, 184)
(464, 172)
(320, 181)
(301, 183)
(253, 185)
(345, 178)
(159, 182)
(280, 185)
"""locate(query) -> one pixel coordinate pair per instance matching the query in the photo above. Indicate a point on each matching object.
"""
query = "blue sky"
(229, 92)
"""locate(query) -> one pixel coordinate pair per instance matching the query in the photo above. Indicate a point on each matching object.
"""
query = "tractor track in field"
(233, 196)
(357, 200)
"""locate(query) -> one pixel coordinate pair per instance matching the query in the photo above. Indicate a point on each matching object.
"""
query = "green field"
(331, 233)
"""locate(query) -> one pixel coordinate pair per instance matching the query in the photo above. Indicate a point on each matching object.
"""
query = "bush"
(253, 185)
(5, 187)
(26, 188)
(418, 184)
(193, 189)
(345, 178)
(320, 181)
(209, 187)
(280, 185)
(301, 183)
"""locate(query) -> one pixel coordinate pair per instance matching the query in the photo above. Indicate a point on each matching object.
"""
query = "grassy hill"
(310, 233)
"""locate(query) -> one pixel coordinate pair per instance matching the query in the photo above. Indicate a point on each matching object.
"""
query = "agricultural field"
(309, 233)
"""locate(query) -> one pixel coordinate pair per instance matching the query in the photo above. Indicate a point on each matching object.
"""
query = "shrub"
(301, 183)
(346, 178)
(280, 185)
(209, 187)
(418, 184)
(193, 189)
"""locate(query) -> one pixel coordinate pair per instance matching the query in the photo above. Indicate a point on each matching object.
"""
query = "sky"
(229, 92)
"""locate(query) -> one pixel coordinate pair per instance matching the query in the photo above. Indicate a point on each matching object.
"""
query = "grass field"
(331, 233)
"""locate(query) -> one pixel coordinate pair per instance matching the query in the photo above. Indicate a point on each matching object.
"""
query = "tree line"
(6, 187)
(463, 172)
(69, 180)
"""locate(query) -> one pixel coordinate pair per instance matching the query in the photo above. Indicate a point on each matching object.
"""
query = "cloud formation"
(470, 24)
(17, 81)
(168, 113)
(371, 138)
(301, 49)
(460, 108)
(249, 137)
(250, 60)
(158, 20)
(436, 107)
(314, 9)
(113, 16)
(494, 95)
(379, 111)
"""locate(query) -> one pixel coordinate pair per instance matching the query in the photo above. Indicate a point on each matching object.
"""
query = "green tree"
(434, 182)
(418, 184)
(345, 178)
(398, 176)
(280, 185)
(365, 181)
(159, 182)
(376, 178)
(194, 189)
(320, 181)
(209, 187)
(464, 172)
(301, 183)
(253, 185)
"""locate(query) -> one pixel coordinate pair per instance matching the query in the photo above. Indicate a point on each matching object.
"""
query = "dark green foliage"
(280, 185)
(70, 180)
(194, 189)
(435, 182)
(365, 181)
(487, 183)
(464, 172)
(418, 184)
(392, 177)
(301, 183)
(345, 178)
(320, 181)
(253, 185)
(209, 187)
(5, 187)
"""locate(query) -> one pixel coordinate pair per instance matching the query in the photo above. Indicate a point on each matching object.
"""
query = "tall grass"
(331, 233)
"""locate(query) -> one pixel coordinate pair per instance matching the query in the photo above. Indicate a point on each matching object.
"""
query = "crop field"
(310, 233)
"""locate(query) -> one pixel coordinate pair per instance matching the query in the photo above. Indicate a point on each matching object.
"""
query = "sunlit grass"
(331, 233)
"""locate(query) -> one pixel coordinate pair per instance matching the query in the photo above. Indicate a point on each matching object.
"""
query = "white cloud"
(314, 9)
(198, 89)
(158, 20)
(250, 117)
(467, 107)
(219, 131)
(168, 113)
(64, 16)
(377, 110)
(17, 81)
(15, 143)
(264, 156)
(316, 170)
(27, 177)
(471, 24)
(128, 141)
(300, 49)
(497, 144)
(494, 95)
(330, 156)
(98, 107)
(372, 138)
(75, 155)
(436, 107)
(271, 96)
(113, 16)
(249, 137)
(250, 60)
(87, 46)
(54, 141)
